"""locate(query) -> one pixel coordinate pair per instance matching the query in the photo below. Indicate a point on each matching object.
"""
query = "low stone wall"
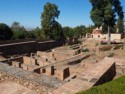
(47, 45)
(72, 41)
(108, 47)
(107, 76)
(18, 48)
(20, 40)
(14, 41)
(28, 47)
(29, 84)
(120, 66)
(98, 74)
(9, 60)
(40, 83)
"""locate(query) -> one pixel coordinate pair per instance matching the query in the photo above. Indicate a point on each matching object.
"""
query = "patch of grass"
(114, 87)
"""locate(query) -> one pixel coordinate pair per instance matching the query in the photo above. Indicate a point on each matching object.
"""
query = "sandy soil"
(13, 88)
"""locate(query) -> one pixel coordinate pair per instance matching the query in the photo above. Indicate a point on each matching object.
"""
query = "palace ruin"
(57, 70)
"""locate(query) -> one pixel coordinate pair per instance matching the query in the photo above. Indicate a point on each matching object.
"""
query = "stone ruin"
(101, 73)
(43, 63)
(48, 73)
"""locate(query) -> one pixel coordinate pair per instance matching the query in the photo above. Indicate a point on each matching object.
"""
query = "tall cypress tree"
(118, 8)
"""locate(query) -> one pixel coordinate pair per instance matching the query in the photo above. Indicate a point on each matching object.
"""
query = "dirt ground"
(14, 88)
(94, 57)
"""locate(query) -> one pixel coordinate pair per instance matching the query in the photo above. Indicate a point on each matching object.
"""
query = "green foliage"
(95, 16)
(68, 32)
(118, 8)
(114, 87)
(5, 32)
(120, 26)
(89, 29)
(85, 50)
(50, 26)
(104, 12)
(18, 31)
(31, 34)
(57, 31)
(39, 34)
(79, 31)
(19, 35)
(105, 29)
(76, 32)
(15, 26)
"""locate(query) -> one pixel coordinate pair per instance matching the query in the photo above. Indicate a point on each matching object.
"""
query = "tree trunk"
(109, 36)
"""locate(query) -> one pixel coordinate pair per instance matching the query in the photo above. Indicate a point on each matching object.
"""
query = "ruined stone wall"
(40, 89)
(28, 47)
(108, 47)
(42, 46)
(18, 48)
(15, 41)
(34, 81)
(9, 61)
(20, 40)
(107, 76)
(19, 59)
(98, 74)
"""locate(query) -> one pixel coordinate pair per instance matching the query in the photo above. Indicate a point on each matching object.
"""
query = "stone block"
(16, 64)
(33, 61)
(45, 55)
(26, 60)
(50, 70)
(42, 62)
(32, 68)
(42, 70)
(25, 67)
(46, 63)
(70, 77)
(62, 73)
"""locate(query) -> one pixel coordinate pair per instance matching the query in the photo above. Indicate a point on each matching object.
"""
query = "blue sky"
(28, 12)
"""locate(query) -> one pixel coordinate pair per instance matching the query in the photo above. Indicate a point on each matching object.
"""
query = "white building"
(96, 34)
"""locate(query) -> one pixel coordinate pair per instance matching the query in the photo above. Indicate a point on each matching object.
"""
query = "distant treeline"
(16, 31)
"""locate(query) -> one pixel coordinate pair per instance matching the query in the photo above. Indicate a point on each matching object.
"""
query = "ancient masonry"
(26, 46)
(38, 71)
(49, 80)
(101, 73)
(28, 79)
(49, 72)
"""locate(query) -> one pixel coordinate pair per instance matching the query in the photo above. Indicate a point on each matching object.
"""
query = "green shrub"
(5, 32)
(85, 50)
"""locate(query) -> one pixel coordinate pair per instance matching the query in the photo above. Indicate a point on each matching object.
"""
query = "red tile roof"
(96, 31)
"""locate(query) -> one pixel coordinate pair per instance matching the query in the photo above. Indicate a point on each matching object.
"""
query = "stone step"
(70, 77)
